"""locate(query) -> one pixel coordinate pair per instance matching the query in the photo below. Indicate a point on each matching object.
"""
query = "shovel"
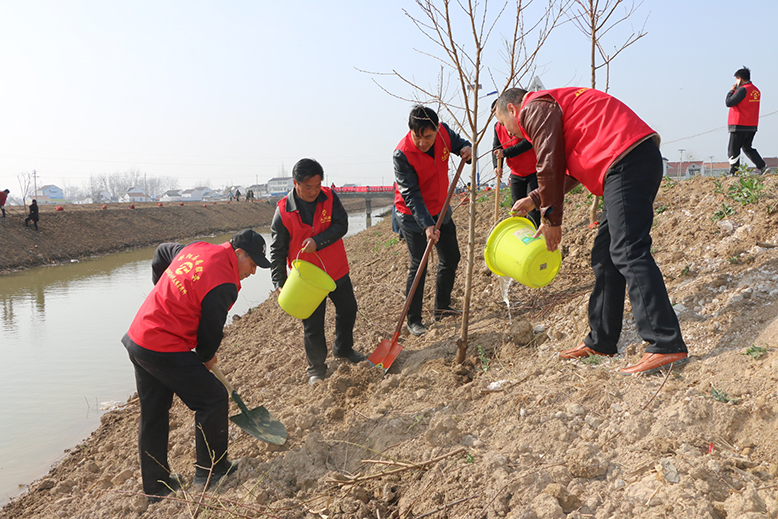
(387, 351)
(258, 422)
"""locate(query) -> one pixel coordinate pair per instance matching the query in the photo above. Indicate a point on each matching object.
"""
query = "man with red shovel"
(421, 171)
(581, 135)
(172, 343)
(310, 222)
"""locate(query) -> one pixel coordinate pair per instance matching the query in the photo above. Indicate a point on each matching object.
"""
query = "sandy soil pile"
(515, 432)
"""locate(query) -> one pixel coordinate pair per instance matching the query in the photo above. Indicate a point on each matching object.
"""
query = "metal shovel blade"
(259, 423)
(385, 353)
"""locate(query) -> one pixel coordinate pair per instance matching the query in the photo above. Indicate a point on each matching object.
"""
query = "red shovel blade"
(385, 353)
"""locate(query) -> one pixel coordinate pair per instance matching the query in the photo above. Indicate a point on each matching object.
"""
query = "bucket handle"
(323, 266)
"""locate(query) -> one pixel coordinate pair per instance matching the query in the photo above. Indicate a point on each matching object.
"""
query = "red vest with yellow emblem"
(522, 165)
(746, 112)
(333, 256)
(432, 173)
(598, 130)
(169, 317)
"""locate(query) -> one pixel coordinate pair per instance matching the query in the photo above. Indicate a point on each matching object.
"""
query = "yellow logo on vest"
(324, 217)
(445, 155)
(184, 268)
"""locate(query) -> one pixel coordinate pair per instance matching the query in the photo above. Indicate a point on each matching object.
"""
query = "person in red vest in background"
(310, 223)
(172, 343)
(421, 171)
(582, 135)
(521, 160)
(3, 198)
(743, 100)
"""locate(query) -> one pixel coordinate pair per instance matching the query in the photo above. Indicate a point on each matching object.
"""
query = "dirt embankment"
(530, 436)
(87, 230)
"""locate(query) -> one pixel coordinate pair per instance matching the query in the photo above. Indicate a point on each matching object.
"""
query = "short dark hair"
(513, 96)
(422, 117)
(305, 169)
(744, 73)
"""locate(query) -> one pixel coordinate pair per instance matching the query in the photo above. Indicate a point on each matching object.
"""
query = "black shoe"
(417, 328)
(201, 475)
(354, 357)
(439, 314)
(313, 379)
(172, 484)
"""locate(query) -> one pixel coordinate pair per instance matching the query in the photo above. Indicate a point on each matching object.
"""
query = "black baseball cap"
(254, 245)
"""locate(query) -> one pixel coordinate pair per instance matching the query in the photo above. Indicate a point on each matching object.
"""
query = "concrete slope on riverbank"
(83, 231)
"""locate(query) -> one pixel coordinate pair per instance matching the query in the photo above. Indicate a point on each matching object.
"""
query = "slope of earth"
(87, 230)
(513, 432)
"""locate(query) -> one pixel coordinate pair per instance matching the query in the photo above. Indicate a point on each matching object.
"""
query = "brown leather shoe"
(652, 361)
(582, 350)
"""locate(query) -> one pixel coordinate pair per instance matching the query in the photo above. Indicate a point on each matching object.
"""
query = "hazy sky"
(231, 91)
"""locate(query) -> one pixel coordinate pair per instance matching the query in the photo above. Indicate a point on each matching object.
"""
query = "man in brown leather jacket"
(581, 135)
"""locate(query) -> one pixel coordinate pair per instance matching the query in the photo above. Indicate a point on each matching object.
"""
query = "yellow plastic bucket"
(305, 289)
(512, 251)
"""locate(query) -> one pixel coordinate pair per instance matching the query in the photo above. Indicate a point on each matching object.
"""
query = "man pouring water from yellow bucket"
(307, 232)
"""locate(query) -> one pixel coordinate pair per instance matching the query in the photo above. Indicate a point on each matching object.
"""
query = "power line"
(713, 130)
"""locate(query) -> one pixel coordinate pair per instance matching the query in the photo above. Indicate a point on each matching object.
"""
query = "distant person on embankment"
(310, 223)
(172, 343)
(582, 135)
(743, 100)
(33, 215)
(3, 198)
(421, 171)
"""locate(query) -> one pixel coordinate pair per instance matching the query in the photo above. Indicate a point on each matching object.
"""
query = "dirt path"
(542, 438)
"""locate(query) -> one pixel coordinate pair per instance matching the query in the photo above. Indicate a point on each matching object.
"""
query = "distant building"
(279, 186)
(195, 194)
(134, 194)
(174, 195)
(51, 191)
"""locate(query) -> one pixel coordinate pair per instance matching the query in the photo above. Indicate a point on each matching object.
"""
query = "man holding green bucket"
(581, 135)
(309, 224)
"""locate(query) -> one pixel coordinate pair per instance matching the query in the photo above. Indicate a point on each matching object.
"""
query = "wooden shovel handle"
(216, 370)
(426, 256)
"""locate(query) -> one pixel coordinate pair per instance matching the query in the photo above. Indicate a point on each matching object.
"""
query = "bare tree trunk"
(463, 342)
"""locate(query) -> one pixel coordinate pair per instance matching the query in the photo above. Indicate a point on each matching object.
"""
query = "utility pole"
(711, 164)
(680, 165)
(34, 183)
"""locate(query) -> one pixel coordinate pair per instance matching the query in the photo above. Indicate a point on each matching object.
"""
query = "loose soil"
(530, 436)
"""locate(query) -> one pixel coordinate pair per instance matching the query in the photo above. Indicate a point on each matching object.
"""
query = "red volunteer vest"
(169, 317)
(598, 129)
(746, 112)
(522, 165)
(333, 256)
(432, 173)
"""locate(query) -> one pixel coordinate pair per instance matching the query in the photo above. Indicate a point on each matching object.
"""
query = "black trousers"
(345, 317)
(742, 140)
(621, 257)
(160, 375)
(27, 221)
(520, 188)
(448, 256)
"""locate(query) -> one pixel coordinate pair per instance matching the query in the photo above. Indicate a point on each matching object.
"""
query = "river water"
(61, 362)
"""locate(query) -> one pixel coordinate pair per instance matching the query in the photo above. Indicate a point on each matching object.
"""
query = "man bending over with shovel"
(421, 170)
(309, 224)
(173, 341)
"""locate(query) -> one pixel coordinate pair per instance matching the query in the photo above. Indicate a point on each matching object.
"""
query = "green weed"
(746, 190)
(577, 189)
(755, 352)
(685, 270)
(722, 213)
(662, 208)
(592, 360)
(719, 395)
(484, 360)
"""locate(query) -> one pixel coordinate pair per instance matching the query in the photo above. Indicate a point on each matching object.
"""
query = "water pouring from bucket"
(513, 251)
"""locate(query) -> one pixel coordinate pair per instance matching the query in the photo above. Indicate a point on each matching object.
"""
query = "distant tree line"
(118, 183)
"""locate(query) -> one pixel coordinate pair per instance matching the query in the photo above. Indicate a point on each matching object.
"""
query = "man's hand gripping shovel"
(387, 350)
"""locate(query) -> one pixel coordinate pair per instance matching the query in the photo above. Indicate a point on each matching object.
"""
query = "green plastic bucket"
(511, 250)
(305, 289)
